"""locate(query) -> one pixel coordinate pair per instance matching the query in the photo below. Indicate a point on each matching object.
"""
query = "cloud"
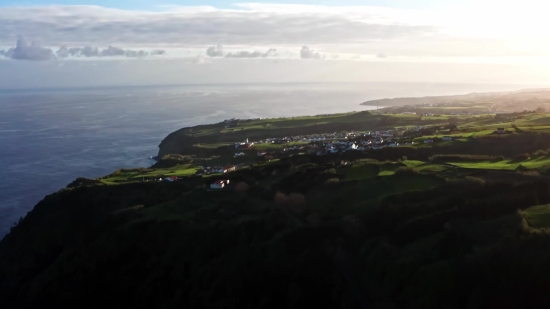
(381, 55)
(214, 51)
(89, 51)
(98, 25)
(136, 54)
(158, 52)
(308, 53)
(74, 51)
(62, 52)
(255, 54)
(272, 52)
(344, 30)
(112, 51)
(25, 51)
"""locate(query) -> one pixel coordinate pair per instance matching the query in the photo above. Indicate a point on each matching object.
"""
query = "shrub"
(526, 172)
(521, 157)
(307, 165)
(405, 170)
(539, 153)
(467, 183)
(332, 181)
(241, 187)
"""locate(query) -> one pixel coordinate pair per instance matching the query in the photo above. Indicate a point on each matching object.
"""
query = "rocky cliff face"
(176, 143)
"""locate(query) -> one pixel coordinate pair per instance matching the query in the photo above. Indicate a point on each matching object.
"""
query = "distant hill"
(432, 99)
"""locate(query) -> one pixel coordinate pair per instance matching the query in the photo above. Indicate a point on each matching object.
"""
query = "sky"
(64, 43)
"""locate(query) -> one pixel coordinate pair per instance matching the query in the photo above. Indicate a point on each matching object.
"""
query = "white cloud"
(308, 53)
(254, 54)
(33, 51)
(477, 30)
(26, 51)
(214, 51)
(97, 25)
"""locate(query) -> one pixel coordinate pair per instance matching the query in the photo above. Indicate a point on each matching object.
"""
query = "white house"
(228, 168)
(219, 184)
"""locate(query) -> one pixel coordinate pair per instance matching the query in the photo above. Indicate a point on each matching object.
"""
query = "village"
(269, 149)
(321, 144)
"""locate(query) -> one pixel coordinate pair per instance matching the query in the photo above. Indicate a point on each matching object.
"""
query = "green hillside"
(461, 223)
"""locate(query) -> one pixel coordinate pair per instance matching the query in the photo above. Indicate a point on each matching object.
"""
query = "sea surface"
(50, 137)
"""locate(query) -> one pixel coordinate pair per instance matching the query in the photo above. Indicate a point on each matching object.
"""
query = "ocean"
(50, 137)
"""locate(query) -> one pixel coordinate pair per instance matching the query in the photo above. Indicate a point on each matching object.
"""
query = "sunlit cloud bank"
(268, 31)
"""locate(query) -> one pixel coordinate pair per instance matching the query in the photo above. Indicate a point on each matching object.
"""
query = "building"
(228, 168)
(447, 138)
(219, 184)
(428, 141)
(261, 153)
(501, 130)
(239, 154)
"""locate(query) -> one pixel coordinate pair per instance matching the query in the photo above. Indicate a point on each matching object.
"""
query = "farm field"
(137, 175)
(538, 216)
(532, 164)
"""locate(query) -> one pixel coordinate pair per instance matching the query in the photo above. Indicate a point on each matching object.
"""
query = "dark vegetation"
(490, 147)
(464, 158)
(171, 160)
(290, 234)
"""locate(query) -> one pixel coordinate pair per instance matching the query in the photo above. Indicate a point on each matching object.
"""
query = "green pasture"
(133, 175)
(538, 216)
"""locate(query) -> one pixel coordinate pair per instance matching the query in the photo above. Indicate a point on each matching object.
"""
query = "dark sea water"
(50, 137)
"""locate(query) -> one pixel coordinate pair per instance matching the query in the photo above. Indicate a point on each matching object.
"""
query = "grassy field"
(135, 175)
(388, 169)
(538, 216)
(535, 164)
(213, 145)
(270, 146)
(362, 171)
